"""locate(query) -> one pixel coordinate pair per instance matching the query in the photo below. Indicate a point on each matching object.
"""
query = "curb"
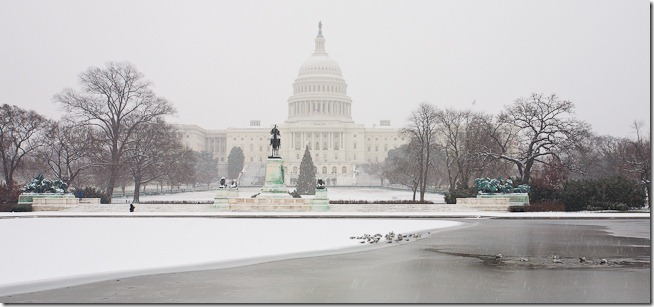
(371, 215)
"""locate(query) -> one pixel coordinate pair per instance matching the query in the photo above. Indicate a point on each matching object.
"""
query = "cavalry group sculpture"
(492, 186)
(39, 184)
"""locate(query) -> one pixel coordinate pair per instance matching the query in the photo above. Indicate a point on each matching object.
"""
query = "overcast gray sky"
(222, 63)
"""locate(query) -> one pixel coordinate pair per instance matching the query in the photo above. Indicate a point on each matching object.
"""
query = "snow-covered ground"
(337, 193)
(43, 250)
(39, 253)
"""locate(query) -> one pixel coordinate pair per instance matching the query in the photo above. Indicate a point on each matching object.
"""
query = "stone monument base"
(495, 202)
(274, 186)
(47, 198)
(484, 204)
(515, 199)
(52, 201)
(274, 195)
(222, 197)
(272, 204)
(321, 198)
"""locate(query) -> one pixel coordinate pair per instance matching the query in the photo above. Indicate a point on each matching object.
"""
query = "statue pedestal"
(273, 186)
(221, 200)
(47, 198)
(274, 195)
(48, 201)
(321, 201)
(515, 199)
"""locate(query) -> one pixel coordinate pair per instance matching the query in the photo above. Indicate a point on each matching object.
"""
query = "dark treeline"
(535, 140)
(113, 134)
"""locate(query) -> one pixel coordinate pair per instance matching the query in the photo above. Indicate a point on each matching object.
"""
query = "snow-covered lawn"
(42, 250)
(337, 193)
(46, 250)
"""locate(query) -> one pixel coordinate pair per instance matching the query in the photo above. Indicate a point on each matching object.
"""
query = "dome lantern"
(320, 41)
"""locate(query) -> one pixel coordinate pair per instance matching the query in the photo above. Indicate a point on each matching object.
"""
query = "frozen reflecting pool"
(539, 263)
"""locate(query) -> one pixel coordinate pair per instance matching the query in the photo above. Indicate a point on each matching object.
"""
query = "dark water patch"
(549, 262)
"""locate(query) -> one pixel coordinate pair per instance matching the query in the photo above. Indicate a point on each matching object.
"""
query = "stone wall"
(485, 204)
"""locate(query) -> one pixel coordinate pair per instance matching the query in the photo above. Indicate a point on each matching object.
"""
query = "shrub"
(615, 193)
(9, 194)
(544, 206)
(295, 194)
(451, 195)
(177, 202)
(92, 192)
(539, 193)
(621, 191)
(9, 199)
(383, 202)
(21, 208)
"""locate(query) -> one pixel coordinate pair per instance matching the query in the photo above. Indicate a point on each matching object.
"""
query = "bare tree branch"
(117, 100)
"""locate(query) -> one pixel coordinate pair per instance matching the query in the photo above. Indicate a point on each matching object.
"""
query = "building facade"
(320, 118)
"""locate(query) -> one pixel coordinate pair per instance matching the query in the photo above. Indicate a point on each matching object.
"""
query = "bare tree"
(69, 150)
(182, 169)
(534, 128)
(421, 126)
(463, 141)
(637, 157)
(117, 100)
(402, 166)
(374, 169)
(150, 150)
(596, 157)
(21, 133)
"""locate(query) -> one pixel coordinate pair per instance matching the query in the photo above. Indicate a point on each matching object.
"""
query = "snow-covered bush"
(92, 192)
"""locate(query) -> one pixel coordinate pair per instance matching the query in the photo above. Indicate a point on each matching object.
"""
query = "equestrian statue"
(275, 141)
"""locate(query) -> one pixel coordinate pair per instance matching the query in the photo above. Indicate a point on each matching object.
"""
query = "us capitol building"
(319, 116)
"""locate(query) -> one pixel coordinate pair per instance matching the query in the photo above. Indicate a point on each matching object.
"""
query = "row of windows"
(386, 139)
(317, 146)
(328, 181)
(319, 107)
(325, 146)
(251, 139)
(251, 159)
(319, 88)
(322, 67)
(297, 156)
(324, 170)
(317, 134)
(377, 147)
(298, 146)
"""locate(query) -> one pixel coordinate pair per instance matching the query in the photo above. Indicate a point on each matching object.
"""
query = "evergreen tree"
(206, 167)
(306, 181)
(235, 161)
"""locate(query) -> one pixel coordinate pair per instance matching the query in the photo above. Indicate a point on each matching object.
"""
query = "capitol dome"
(320, 64)
(319, 91)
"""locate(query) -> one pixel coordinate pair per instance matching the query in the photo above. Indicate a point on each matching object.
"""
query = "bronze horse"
(275, 141)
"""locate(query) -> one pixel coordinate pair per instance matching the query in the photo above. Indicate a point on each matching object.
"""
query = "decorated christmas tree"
(306, 182)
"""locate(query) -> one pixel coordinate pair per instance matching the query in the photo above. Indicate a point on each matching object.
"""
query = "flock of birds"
(392, 237)
(389, 237)
(557, 259)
